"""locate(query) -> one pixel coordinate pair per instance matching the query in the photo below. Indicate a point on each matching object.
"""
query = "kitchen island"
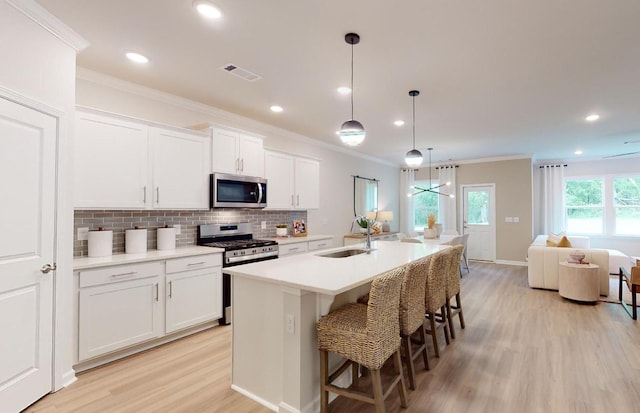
(276, 304)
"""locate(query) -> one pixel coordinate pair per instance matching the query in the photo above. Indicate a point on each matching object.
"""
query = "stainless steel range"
(239, 248)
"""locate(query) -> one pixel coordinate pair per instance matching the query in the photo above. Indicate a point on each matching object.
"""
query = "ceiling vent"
(240, 72)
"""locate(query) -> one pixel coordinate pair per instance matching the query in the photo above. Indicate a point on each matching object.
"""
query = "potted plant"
(363, 224)
(281, 230)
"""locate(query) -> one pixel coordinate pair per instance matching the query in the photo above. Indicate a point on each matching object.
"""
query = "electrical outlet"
(508, 219)
(264, 224)
(516, 219)
(291, 324)
(178, 229)
(83, 234)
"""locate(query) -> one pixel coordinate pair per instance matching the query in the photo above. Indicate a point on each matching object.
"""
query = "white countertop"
(333, 276)
(82, 263)
(296, 240)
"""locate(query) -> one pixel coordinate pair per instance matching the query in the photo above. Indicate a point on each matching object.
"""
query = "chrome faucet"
(370, 222)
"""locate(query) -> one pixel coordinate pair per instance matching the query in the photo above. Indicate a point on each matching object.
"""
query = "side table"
(578, 281)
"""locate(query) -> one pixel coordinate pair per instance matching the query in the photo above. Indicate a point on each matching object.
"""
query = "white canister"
(100, 243)
(135, 241)
(166, 238)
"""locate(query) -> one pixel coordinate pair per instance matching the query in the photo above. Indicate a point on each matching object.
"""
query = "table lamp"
(385, 217)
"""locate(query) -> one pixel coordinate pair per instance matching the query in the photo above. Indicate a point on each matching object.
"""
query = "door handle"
(47, 268)
(170, 289)
(144, 194)
(157, 292)
(242, 165)
(297, 200)
(157, 194)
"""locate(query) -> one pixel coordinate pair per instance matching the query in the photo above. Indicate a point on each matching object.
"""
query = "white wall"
(38, 69)
(338, 164)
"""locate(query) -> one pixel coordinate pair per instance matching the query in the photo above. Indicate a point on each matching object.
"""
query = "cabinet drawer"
(320, 244)
(118, 273)
(293, 248)
(194, 263)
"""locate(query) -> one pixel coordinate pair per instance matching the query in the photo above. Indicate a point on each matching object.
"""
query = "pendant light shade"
(414, 157)
(352, 132)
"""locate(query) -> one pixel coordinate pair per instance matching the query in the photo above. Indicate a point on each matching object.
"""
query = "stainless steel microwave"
(237, 191)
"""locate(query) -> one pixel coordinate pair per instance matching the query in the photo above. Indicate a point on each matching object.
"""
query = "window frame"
(424, 183)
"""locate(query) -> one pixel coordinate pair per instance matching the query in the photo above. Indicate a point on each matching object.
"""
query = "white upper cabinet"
(125, 163)
(110, 162)
(235, 152)
(293, 182)
(180, 170)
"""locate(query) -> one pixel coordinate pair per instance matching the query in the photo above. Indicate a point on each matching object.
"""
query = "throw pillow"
(564, 242)
(558, 240)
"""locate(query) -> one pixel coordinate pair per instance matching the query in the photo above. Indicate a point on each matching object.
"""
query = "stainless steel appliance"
(236, 191)
(239, 248)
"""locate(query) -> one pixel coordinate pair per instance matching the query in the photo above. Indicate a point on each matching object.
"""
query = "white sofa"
(544, 262)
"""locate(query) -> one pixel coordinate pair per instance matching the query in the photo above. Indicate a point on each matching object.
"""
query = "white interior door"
(478, 220)
(27, 231)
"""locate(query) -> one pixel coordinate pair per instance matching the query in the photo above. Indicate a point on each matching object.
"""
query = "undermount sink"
(344, 253)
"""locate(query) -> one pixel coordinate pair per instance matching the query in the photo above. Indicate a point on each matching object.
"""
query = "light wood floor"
(523, 350)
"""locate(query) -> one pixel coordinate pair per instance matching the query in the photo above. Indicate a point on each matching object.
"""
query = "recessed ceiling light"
(207, 9)
(276, 108)
(344, 90)
(137, 57)
(592, 118)
(578, 152)
(398, 122)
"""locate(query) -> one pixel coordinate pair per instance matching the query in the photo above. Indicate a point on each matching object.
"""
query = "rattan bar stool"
(365, 335)
(412, 316)
(453, 288)
(435, 299)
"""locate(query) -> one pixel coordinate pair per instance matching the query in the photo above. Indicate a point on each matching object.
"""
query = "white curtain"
(448, 206)
(406, 201)
(551, 198)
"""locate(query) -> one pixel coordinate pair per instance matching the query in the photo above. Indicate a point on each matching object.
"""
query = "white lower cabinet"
(193, 296)
(298, 247)
(120, 306)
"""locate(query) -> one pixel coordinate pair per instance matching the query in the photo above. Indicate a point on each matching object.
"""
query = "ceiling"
(497, 77)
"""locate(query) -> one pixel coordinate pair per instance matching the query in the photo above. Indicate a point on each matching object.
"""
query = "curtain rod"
(553, 166)
(447, 166)
(362, 177)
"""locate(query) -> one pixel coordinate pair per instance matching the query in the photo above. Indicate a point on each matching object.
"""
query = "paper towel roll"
(135, 241)
(166, 238)
(100, 243)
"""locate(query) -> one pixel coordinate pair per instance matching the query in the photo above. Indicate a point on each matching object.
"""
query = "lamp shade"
(413, 158)
(352, 133)
(385, 216)
(371, 214)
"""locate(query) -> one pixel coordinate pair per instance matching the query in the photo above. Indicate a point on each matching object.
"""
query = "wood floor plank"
(523, 350)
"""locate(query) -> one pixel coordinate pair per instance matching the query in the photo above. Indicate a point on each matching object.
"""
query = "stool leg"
(452, 329)
(443, 310)
(459, 305)
(378, 395)
(324, 377)
(406, 343)
(402, 390)
(355, 373)
(434, 339)
(425, 357)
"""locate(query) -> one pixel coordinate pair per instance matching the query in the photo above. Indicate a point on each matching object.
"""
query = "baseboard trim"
(255, 398)
(517, 263)
(68, 378)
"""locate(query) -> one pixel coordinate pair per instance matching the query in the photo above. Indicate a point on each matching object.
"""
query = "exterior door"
(28, 140)
(478, 220)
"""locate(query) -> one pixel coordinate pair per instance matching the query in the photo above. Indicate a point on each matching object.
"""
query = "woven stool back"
(435, 287)
(412, 295)
(453, 278)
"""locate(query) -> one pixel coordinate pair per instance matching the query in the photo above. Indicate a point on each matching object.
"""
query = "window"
(424, 204)
(626, 203)
(584, 209)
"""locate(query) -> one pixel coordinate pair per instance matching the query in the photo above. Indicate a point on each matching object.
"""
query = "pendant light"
(431, 189)
(414, 157)
(352, 132)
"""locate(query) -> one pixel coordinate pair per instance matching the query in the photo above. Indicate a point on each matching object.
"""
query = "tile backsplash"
(119, 221)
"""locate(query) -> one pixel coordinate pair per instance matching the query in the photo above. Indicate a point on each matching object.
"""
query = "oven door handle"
(259, 200)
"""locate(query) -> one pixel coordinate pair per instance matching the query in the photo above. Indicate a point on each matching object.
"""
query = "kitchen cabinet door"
(180, 169)
(307, 183)
(110, 162)
(193, 297)
(118, 314)
(251, 154)
(278, 170)
(233, 152)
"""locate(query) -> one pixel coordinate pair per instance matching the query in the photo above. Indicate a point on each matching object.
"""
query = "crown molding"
(220, 115)
(49, 22)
